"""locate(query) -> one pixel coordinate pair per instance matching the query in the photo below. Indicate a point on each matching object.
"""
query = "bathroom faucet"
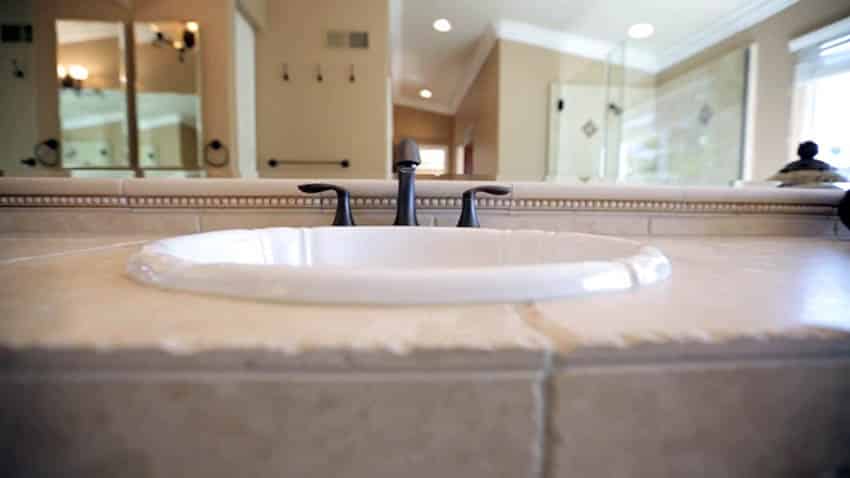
(405, 163)
(407, 159)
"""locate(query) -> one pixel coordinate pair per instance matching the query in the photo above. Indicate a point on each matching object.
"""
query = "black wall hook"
(319, 77)
(17, 71)
(351, 77)
(286, 72)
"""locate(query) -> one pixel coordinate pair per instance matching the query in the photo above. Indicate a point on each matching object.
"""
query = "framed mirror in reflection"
(168, 107)
(91, 78)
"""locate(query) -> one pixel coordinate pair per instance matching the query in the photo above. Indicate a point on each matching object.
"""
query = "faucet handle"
(343, 201)
(469, 215)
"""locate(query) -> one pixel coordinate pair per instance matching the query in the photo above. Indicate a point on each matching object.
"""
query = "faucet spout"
(407, 159)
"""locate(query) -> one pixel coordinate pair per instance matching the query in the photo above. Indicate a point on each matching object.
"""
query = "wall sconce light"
(72, 77)
(186, 42)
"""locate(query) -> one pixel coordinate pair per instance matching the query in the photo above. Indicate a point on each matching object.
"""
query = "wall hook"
(351, 77)
(319, 76)
(17, 72)
(286, 72)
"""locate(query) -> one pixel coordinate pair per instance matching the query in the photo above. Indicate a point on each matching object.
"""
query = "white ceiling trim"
(424, 105)
(470, 73)
(839, 28)
(721, 30)
(572, 44)
(553, 40)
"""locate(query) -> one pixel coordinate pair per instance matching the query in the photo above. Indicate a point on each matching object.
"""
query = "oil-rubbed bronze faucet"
(405, 163)
(407, 159)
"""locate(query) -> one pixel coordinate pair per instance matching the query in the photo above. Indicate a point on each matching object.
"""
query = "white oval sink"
(397, 265)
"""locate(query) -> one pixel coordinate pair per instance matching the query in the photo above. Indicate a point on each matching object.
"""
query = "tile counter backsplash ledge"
(377, 194)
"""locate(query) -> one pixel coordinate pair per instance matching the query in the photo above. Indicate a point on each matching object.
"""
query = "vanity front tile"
(736, 420)
(226, 425)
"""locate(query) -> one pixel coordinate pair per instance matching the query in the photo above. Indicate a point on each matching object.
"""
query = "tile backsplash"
(173, 206)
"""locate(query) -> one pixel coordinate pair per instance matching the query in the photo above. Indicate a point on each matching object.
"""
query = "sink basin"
(397, 265)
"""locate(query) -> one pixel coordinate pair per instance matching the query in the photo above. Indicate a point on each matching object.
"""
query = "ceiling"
(446, 63)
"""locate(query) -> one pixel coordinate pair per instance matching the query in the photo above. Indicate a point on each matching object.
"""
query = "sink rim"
(387, 285)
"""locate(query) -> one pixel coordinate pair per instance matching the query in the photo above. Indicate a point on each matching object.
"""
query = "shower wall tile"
(226, 425)
(740, 420)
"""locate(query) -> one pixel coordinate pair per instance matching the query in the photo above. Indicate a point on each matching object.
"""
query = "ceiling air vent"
(347, 39)
(16, 33)
(358, 40)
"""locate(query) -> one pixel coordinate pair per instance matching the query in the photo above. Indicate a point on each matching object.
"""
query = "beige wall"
(159, 70)
(478, 113)
(103, 59)
(525, 75)
(424, 127)
(18, 130)
(306, 120)
(775, 75)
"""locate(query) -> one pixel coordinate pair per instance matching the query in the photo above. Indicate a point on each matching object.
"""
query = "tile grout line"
(117, 245)
(543, 392)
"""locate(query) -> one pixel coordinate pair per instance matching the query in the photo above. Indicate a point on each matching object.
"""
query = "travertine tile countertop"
(740, 294)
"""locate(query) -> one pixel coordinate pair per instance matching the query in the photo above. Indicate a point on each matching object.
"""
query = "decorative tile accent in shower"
(589, 128)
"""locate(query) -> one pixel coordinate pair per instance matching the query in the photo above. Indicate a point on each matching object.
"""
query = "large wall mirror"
(168, 98)
(92, 93)
(697, 93)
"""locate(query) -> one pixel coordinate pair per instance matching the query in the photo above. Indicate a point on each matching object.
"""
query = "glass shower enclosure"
(626, 122)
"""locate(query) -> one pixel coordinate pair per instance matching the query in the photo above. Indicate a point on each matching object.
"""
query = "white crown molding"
(720, 30)
(423, 105)
(485, 45)
(837, 29)
(572, 44)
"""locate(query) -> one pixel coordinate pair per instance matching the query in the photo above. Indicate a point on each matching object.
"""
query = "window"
(823, 118)
(435, 160)
(822, 92)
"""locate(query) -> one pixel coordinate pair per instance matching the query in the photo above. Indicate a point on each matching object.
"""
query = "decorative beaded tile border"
(297, 202)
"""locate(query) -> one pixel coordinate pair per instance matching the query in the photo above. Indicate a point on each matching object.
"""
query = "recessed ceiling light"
(442, 25)
(639, 31)
(426, 93)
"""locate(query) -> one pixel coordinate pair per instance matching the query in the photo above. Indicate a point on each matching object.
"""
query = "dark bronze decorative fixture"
(808, 171)
(187, 41)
